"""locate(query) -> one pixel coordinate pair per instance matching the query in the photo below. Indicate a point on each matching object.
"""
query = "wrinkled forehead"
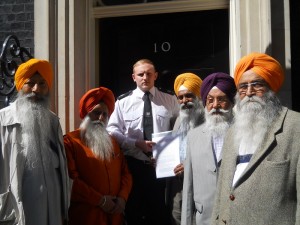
(36, 77)
(249, 76)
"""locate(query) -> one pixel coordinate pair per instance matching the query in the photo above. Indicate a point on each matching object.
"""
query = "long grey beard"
(218, 124)
(97, 138)
(34, 117)
(253, 118)
(192, 117)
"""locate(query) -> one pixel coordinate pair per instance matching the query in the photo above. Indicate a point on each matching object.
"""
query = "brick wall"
(17, 17)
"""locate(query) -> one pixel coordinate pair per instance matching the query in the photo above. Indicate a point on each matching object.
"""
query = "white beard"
(97, 138)
(192, 117)
(34, 117)
(253, 118)
(218, 123)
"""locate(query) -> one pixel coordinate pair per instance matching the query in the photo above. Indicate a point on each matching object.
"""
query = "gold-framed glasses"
(255, 85)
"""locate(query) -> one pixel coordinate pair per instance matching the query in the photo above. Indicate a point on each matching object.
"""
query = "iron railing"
(12, 55)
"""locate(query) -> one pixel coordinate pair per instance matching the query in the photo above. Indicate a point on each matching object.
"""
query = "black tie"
(147, 117)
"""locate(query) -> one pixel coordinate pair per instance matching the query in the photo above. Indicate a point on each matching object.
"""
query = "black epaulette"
(124, 95)
(166, 91)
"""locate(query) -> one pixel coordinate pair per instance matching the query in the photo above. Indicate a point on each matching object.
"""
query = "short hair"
(143, 61)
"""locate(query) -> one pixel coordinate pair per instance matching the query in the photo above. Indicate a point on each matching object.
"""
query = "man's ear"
(156, 75)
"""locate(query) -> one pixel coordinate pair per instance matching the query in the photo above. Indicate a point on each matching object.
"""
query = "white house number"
(165, 47)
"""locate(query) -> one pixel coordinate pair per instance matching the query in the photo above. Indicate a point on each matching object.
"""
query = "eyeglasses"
(187, 95)
(256, 85)
(220, 100)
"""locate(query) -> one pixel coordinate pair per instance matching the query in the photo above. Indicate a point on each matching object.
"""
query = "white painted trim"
(158, 7)
(41, 29)
(287, 34)
(234, 34)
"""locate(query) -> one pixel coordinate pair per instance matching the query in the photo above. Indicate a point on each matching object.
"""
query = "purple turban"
(220, 80)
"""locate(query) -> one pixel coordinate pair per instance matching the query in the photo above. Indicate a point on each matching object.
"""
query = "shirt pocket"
(163, 117)
(133, 122)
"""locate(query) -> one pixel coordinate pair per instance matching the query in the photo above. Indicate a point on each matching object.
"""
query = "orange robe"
(93, 178)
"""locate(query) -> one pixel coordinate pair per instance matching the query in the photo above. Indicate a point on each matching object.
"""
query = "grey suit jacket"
(200, 177)
(268, 192)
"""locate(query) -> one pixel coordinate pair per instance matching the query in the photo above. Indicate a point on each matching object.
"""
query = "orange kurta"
(93, 178)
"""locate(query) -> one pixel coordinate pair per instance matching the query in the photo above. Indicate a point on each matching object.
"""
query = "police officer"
(131, 123)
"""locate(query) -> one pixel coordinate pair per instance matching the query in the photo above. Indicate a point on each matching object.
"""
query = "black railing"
(12, 55)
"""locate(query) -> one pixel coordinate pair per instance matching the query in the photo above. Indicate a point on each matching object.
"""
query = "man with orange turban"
(260, 170)
(97, 166)
(187, 88)
(33, 166)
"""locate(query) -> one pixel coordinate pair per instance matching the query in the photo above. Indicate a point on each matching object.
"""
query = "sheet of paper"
(166, 153)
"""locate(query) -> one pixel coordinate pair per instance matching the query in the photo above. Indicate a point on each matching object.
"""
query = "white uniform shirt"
(126, 122)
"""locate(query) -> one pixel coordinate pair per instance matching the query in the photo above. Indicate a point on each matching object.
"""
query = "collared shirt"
(217, 142)
(182, 148)
(126, 122)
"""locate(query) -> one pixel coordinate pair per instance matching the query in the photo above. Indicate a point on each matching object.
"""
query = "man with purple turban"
(204, 148)
(33, 167)
(97, 166)
(191, 114)
(259, 181)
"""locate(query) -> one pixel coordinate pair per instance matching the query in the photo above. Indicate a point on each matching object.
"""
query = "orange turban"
(263, 65)
(190, 81)
(29, 68)
(93, 97)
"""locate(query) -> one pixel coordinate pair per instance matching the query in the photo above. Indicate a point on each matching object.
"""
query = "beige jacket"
(12, 159)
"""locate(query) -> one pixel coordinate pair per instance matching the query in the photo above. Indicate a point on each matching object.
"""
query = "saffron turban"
(190, 81)
(220, 80)
(263, 65)
(93, 97)
(32, 66)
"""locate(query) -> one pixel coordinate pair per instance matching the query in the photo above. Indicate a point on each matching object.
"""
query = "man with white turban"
(259, 181)
(204, 149)
(97, 166)
(191, 114)
(33, 170)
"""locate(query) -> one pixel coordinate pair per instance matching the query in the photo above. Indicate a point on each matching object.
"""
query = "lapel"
(229, 156)
(205, 151)
(267, 146)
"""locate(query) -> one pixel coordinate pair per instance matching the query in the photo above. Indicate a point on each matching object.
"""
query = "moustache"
(188, 105)
(35, 96)
(98, 123)
(252, 99)
(218, 111)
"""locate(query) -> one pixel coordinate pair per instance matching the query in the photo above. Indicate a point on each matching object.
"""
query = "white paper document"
(166, 153)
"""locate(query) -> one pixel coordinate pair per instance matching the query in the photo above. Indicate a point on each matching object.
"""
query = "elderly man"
(191, 114)
(32, 157)
(260, 172)
(204, 147)
(101, 179)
